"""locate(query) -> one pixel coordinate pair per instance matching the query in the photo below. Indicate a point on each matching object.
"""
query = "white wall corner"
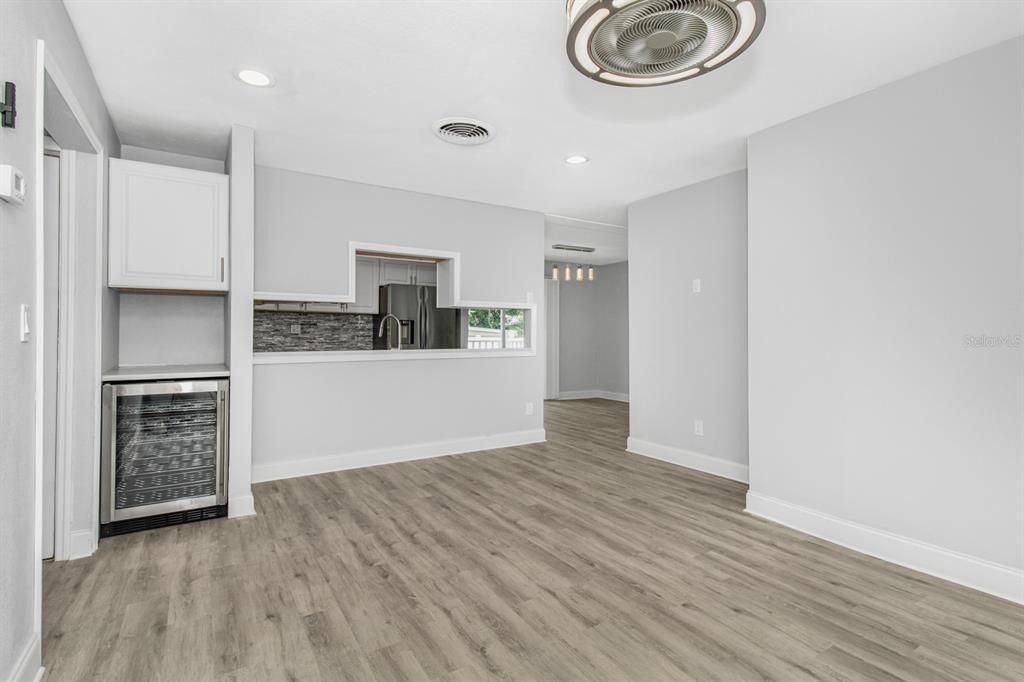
(240, 506)
(689, 459)
(402, 453)
(979, 574)
(28, 667)
(241, 166)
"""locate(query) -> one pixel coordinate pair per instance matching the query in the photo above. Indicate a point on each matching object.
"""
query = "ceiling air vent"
(463, 131)
(571, 247)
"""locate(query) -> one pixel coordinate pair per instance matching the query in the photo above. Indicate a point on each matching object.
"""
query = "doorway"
(51, 305)
(69, 270)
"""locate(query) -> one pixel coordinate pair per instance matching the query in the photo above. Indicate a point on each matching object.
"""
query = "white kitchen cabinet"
(425, 273)
(168, 228)
(396, 272)
(407, 272)
(367, 290)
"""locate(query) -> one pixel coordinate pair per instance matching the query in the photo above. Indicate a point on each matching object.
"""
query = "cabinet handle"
(222, 268)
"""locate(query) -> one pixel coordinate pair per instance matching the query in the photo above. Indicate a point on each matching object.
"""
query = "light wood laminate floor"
(569, 560)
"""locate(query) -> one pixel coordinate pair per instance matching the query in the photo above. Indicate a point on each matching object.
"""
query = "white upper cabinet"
(367, 291)
(408, 272)
(426, 274)
(168, 227)
(396, 272)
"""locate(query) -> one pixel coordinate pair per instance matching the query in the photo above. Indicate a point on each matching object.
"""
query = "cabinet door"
(367, 289)
(168, 227)
(426, 273)
(396, 272)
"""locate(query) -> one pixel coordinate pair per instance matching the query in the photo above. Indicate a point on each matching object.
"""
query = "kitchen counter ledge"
(308, 357)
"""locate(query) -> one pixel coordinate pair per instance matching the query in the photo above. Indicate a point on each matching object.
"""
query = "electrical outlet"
(296, 329)
(529, 409)
(696, 286)
(698, 427)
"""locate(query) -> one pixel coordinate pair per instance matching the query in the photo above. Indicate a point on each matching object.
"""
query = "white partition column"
(241, 159)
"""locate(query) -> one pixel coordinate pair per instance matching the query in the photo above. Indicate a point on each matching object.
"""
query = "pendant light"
(568, 273)
(590, 273)
(554, 272)
(579, 273)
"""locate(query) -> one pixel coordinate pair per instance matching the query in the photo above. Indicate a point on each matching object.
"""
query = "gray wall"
(339, 411)
(593, 353)
(171, 329)
(21, 24)
(884, 231)
(688, 352)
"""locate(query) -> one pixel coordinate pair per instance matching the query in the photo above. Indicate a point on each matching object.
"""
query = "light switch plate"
(698, 427)
(12, 185)
(25, 324)
(529, 409)
(696, 286)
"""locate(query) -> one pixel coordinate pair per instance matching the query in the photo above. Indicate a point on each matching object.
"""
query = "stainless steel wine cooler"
(164, 456)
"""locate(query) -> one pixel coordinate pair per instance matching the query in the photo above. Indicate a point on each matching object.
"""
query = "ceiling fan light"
(640, 43)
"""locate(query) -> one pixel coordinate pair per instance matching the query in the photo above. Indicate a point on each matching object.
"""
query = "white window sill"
(309, 357)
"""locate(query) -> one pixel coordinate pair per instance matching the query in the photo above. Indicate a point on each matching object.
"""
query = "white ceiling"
(360, 83)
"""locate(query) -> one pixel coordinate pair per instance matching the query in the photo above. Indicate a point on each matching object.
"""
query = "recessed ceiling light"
(576, 159)
(253, 77)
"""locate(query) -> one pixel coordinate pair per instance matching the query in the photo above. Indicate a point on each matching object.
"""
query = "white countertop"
(307, 357)
(161, 372)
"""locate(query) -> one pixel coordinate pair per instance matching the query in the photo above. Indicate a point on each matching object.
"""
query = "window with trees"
(495, 328)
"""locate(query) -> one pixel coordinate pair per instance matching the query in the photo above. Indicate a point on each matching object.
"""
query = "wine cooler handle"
(222, 431)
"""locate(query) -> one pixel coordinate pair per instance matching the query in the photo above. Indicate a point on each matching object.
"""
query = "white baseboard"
(688, 459)
(241, 505)
(28, 667)
(979, 574)
(273, 471)
(587, 395)
(81, 544)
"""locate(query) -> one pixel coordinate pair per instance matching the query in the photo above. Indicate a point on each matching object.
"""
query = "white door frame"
(551, 336)
(64, 548)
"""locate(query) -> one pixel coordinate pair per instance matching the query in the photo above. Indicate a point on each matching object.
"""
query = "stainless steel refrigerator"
(423, 324)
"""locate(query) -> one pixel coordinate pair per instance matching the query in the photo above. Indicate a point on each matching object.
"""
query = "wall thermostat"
(12, 185)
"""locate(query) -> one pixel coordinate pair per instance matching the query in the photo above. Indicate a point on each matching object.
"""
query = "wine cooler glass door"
(166, 448)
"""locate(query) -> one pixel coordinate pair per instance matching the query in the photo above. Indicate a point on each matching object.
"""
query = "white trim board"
(243, 505)
(28, 666)
(979, 574)
(81, 543)
(588, 395)
(688, 459)
(273, 471)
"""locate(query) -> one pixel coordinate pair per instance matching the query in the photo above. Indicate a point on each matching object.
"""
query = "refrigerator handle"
(427, 343)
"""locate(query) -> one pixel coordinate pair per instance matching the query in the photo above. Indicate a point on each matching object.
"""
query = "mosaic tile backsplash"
(273, 331)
